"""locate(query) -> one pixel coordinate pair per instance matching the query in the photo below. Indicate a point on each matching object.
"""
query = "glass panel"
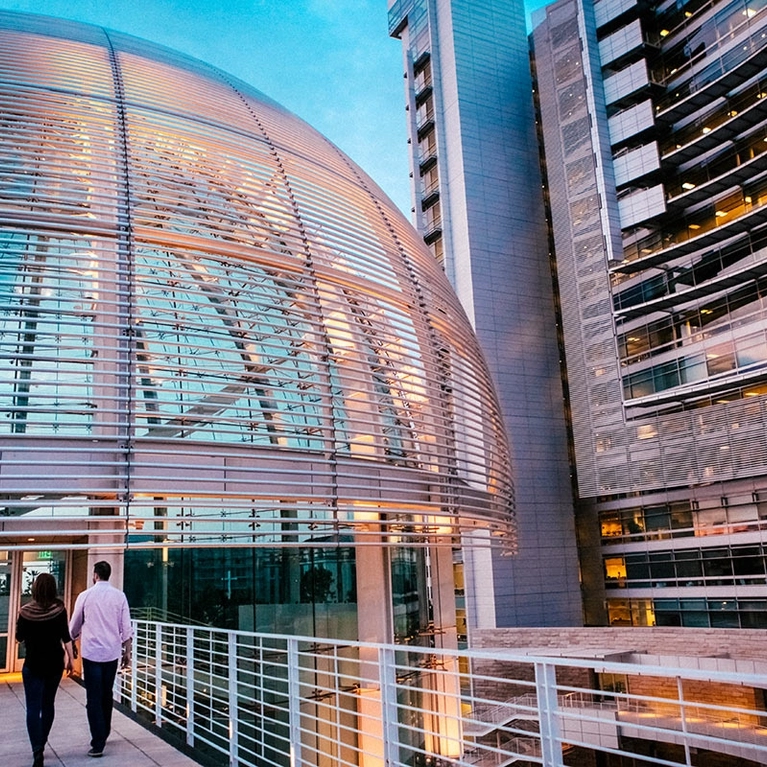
(618, 612)
(717, 565)
(638, 571)
(695, 619)
(615, 568)
(409, 602)
(642, 612)
(689, 572)
(35, 563)
(753, 620)
(725, 620)
(5, 603)
(681, 517)
(668, 619)
(303, 590)
(633, 522)
(657, 518)
(611, 524)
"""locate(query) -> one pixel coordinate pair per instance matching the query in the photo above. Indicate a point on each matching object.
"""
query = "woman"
(43, 627)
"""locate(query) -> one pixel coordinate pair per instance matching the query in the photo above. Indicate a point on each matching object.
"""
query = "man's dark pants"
(99, 679)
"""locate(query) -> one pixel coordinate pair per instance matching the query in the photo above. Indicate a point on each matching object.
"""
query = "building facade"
(655, 133)
(227, 362)
(477, 202)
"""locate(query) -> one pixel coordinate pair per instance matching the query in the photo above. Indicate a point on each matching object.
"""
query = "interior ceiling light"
(688, 185)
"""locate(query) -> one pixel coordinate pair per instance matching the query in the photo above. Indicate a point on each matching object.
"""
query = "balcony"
(717, 223)
(713, 80)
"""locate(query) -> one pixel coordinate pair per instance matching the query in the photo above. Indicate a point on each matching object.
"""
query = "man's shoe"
(39, 759)
(96, 752)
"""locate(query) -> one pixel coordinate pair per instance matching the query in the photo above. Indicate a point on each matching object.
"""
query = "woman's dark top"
(43, 630)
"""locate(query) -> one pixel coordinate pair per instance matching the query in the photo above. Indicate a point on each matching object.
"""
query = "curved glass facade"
(215, 330)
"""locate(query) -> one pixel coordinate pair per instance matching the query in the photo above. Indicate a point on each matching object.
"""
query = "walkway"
(130, 743)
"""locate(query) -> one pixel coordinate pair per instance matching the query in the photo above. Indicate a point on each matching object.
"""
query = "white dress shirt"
(102, 621)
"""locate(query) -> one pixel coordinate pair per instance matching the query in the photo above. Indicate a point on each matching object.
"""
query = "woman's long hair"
(44, 590)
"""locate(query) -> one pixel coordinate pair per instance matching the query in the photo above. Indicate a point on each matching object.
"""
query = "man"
(101, 615)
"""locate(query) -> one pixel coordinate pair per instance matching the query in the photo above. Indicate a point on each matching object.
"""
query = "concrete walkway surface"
(129, 745)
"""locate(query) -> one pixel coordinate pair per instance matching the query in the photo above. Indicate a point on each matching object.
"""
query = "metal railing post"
(233, 709)
(548, 714)
(158, 675)
(294, 702)
(134, 670)
(683, 721)
(387, 665)
(189, 686)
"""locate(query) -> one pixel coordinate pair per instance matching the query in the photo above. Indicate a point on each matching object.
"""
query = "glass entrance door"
(6, 630)
(18, 570)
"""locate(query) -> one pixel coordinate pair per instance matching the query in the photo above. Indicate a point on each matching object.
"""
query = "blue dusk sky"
(329, 61)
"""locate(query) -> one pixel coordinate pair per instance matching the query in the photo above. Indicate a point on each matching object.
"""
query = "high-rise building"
(227, 362)
(654, 119)
(478, 203)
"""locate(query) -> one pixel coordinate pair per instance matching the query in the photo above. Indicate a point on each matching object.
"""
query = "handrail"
(257, 698)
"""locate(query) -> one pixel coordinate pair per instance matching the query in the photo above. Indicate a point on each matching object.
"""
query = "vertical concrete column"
(374, 624)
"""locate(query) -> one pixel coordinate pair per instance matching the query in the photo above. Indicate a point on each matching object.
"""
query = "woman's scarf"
(32, 611)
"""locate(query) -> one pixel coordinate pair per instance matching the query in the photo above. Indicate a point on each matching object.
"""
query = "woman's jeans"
(40, 694)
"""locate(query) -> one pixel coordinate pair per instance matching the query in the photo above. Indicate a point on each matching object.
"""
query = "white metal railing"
(266, 699)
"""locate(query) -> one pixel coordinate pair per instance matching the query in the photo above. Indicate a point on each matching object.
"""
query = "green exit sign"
(45, 555)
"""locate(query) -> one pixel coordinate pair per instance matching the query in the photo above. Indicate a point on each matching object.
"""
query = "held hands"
(70, 656)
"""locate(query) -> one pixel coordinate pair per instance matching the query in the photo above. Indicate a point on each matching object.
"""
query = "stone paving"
(129, 745)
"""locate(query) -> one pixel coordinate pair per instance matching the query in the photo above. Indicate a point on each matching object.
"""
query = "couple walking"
(102, 622)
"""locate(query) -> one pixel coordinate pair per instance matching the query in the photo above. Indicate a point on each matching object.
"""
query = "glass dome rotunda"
(215, 329)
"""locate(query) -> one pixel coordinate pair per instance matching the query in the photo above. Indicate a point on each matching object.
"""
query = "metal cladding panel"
(205, 304)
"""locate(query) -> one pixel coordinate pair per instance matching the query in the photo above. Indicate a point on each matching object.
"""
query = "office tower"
(655, 129)
(228, 364)
(477, 202)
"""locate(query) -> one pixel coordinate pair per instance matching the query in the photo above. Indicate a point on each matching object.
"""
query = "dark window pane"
(725, 620)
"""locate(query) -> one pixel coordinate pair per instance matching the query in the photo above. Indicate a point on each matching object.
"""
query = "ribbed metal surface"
(206, 308)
